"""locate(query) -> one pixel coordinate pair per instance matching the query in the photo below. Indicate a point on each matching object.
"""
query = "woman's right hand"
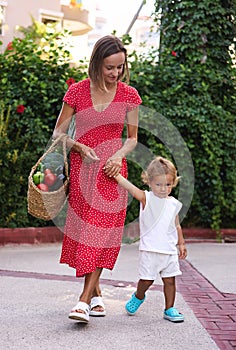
(88, 155)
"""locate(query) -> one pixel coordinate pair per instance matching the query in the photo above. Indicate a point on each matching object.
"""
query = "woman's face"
(112, 67)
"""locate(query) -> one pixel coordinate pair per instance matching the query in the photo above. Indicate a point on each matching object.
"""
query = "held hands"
(113, 166)
(88, 155)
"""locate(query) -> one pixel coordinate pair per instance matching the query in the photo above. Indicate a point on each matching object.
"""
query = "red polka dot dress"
(96, 204)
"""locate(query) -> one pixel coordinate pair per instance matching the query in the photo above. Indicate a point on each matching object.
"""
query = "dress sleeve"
(71, 96)
(133, 98)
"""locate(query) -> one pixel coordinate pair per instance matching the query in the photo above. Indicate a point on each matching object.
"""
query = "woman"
(97, 207)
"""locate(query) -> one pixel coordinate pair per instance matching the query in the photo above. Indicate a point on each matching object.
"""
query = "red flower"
(9, 46)
(70, 81)
(20, 109)
(173, 53)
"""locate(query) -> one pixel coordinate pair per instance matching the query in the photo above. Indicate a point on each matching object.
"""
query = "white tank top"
(158, 231)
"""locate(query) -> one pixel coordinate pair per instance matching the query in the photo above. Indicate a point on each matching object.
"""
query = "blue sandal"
(133, 304)
(173, 315)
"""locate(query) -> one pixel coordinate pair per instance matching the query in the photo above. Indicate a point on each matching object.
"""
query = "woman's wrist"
(119, 154)
(77, 147)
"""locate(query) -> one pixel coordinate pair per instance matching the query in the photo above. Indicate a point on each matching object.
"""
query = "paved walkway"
(37, 294)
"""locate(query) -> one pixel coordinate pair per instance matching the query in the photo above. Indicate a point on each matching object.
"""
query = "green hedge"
(192, 83)
(195, 94)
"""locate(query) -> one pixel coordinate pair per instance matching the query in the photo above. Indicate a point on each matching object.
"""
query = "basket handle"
(53, 145)
(65, 156)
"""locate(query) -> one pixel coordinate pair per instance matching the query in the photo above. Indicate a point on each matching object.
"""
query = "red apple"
(49, 179)
(43, 187)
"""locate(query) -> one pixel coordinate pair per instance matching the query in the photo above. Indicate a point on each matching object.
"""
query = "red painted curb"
(53, 234)
(30, 235)
(132, 231)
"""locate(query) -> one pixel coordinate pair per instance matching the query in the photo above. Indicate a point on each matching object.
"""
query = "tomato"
(49, 179)
(43, 187)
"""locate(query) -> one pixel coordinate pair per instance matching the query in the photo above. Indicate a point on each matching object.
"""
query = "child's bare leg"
(169, 291)
(142, 287)
(138, 297)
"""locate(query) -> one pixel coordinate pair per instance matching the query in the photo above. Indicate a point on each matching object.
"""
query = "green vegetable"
(40, 168)
(38, 177)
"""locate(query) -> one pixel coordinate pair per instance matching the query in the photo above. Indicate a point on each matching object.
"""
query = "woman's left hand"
(113, 166)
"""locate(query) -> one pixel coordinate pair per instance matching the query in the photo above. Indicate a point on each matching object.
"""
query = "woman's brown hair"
(105, 47)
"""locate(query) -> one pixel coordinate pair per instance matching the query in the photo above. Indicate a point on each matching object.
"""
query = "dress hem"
(92, 270)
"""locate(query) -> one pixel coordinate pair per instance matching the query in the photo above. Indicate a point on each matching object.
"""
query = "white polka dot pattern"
(97, 205)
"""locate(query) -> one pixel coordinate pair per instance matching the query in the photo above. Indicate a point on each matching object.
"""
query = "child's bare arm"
(132, 189)
(181, 243)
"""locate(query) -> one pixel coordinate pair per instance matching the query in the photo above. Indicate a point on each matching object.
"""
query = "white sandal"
(97, 301)
(80, 316)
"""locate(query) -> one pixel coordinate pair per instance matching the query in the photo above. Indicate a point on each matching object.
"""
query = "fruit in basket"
(38, 177)
(43, 187)
(50, 179)
(58, 183)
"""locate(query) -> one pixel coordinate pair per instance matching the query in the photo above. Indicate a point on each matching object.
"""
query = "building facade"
(85, 19)
(19, 13)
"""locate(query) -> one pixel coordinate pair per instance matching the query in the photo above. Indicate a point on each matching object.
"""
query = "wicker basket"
(46, 205)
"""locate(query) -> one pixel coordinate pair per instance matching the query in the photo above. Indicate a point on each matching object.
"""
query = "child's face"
(162, 185)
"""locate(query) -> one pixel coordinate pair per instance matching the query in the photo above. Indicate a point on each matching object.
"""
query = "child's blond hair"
(160, 166)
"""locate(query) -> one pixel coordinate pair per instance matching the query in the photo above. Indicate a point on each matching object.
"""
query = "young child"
(160, 233)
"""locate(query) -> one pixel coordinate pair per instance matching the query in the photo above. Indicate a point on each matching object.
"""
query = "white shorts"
(152, 264)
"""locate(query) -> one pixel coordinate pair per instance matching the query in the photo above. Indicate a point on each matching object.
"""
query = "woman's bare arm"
(62, 125)
(114, 163)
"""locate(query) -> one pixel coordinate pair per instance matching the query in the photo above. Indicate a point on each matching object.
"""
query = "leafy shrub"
(193, 86)
(34, 72)
(191, 82)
